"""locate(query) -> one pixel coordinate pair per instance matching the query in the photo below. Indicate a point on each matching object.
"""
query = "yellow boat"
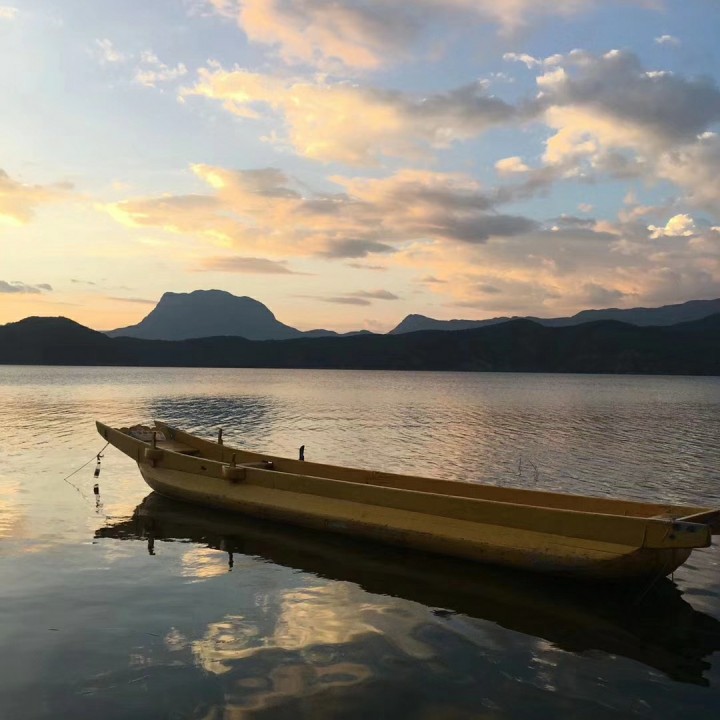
(575, 535)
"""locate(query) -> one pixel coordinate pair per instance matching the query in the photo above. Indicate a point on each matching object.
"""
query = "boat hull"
(572, 535)
(485, 542)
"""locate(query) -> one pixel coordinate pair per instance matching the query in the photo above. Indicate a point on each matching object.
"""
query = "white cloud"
(8, 13)
(108, 53)
(681, 225)
(511, 166)
(667, 40)
(528, 60)
(153, 71)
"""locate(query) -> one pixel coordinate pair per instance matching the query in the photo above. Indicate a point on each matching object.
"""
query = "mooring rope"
(97, 457)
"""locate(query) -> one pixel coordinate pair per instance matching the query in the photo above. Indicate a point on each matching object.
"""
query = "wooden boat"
(580, 536)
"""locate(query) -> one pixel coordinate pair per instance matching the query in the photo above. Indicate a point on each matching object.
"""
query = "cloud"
(16, 286)
(18, 202)
(615, 85)
(571, 221)
(354, 34)
(374, 295)
(452, 207)
(667, 40)
(528, 60)
(250, 265)
(554, 273)
(695, 167)
(149, 71)
(366, 34)
(152, 71)
(493, 294)
(261, 210)
(681, 225)
(360, 297)
(320, 117)
(598, 296)
(510, 166)
(8, 13)
(346, 300)
(365, 266)
(139, 301)
(611, 116)
(354, 248)
(107, 52)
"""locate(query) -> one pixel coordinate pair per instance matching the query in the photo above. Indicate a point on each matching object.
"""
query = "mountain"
(55, 341)
(605, 346)
(213, 313)
(416, 323)
(208, 313)
(332, 333)
(665, 315)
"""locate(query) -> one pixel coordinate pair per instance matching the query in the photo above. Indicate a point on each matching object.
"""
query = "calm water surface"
(128, 606)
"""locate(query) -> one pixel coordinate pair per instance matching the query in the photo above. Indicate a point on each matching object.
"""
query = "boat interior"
(171, 439)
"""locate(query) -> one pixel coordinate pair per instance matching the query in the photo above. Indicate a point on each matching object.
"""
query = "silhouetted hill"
(208, 313)
(418, 323)
(665, 315)
(213, 313)
(332, 333)
(55, 341)
(691, 348)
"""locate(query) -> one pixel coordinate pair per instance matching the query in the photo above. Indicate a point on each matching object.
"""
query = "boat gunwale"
(661, 511)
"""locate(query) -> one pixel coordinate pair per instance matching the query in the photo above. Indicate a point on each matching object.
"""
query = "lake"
(120, 605)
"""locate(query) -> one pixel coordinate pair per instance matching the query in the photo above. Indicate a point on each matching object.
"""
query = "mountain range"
(214, 313)
(665, 315)
(605, 346)
(212, 328)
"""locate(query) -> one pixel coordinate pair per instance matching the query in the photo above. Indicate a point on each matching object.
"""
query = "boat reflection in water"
(655, 627)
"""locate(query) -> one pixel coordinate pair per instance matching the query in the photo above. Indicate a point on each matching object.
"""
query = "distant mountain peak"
(206, 313)
(641, 316)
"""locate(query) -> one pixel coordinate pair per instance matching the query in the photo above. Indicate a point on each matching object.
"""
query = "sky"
(348, 162)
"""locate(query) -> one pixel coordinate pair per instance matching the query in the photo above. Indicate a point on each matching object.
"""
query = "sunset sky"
(347, 162)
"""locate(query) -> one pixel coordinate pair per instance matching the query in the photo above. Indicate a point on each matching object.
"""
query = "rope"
(66, 479)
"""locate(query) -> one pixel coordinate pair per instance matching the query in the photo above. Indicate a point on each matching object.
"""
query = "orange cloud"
(322, 116)
(260, 210)
(18, 202)
(367, 35)
(445, 230)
